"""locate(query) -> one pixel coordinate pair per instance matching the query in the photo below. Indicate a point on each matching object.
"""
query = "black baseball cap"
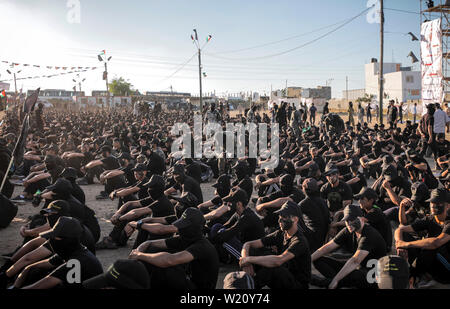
(223, 180)
(387, 160)
(140, 167)
(240, 164)
(61, 185)
(238, 195)
(178, 169)
(310, 184)
(439, 196)
(155, 181)
(57, 207)
(390, 172)
(238, 280)
(286, 180)
(331, 169)
(69, 172)
(351, 212)
(49, 159)
(393, 272)
(190, 217)
(65, 227)
(368, 193)
(419, 191)
(123, 274)
(288, 209)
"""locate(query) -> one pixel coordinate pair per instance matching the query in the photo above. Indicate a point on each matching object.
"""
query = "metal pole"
(106, 79)
(381, 78)
(15, 84)
(346, 88)
(200, 78)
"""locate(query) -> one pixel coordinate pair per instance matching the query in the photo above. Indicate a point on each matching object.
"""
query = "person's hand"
(115, 218)
(257, 185)
(406, 202)
(23, 231)
(400, 244)
(386, 184)
(333, 285)
(129, 230)
(259, 208)
(25, 183)
(430, 140)
(243, 262)
(134, 255)
(332, 232)
(112, 195)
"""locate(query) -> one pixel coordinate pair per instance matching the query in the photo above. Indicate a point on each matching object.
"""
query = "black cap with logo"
(393, 272)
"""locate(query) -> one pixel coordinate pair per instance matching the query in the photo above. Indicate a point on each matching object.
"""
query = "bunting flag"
(30, 101)
(204, 74)
(42, 66)
(47, 76)
(209, 38)
(3, 94)
(192, 37)
(103, 52)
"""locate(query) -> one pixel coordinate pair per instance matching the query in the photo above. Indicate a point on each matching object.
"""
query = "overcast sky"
(150, 40)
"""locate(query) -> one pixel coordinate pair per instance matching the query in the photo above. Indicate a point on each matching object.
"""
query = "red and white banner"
(431, 54)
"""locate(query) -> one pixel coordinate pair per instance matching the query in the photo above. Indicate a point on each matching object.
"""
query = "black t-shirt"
(194, 170)
(128, 173)
(300, 265)
(110, 163)
(190, 185)
(160, 208)
(55, 172)
(337, 195)
(143, 190)
(246, 227)
(204, 269)
(356, 187)
(78, 193)
(370, 240)
(430, 225)
(86, 240)
(90, 267)
(156, 164)
(320, 162)
(245, 184)
(380, 222)
(317, 218)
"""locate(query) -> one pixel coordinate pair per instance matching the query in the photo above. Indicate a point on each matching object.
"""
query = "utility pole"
(194, 38)
(381, 78)
(286, 89)
(105, 74)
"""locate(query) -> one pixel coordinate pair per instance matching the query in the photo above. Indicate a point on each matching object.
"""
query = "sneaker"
(102, 196)
(254, 200)
(20, 198)
(320, 282)
(106, 243)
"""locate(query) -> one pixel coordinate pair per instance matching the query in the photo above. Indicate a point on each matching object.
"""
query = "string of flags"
(48, 67)
(48, 76)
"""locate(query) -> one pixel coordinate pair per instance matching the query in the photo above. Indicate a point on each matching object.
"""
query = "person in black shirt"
(70, 174)
(315, 214)
(267, 205)
(193, 169)
(374, 215)
(290, 266)
(432, 253)
(242, 227)
(64, 239)
(223, 187)
(155, 163)
(419, 169)
(184, 183)
(355, 178)
(242, 180)
(359, 238)
(190, 248)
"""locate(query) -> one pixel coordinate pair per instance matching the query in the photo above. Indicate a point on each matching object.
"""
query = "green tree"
(121, 87)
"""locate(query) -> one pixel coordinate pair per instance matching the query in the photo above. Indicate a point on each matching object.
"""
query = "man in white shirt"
(440, 120)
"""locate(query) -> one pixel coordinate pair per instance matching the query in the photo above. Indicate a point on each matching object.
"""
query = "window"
(410, 79)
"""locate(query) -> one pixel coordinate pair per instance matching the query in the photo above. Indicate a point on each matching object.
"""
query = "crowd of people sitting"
(339, 198)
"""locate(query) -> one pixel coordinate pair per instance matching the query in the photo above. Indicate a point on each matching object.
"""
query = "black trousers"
(432, 262)
(38, 185)
(277, 278)
(330, 267)
(118, 234)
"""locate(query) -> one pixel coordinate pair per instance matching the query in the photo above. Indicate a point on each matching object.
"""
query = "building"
(353, 95)
(4, 86)
(294, 92)
(400, 83)
(59, 94)
(101, 101)
(321, 92)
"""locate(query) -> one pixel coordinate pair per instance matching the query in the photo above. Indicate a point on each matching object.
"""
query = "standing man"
(392, 114)
(312, 114)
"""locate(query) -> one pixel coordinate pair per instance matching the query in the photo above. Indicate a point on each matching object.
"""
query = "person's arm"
(392, 195)
(299, 168)
(324, 250)
(163, 259)
(217, 213)
(398, 234)
(272, 204)
(170, 191)
(36, 231)
(353, 180)
(267, 260)
(376, 161)
(402, 211)
(38, 177)
(45, 283)
(271, 181)
(135, 213)
(113, 173)
(28, 259)
(430, 243)
(94, 163)
(348, 267)
(75, 155)
(127, 191)
(205, 204)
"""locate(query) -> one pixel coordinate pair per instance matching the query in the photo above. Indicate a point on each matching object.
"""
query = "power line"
(403, 11)
(178, 70)
(300, 46)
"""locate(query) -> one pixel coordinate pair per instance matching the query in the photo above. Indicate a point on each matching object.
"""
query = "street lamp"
(14, 74)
